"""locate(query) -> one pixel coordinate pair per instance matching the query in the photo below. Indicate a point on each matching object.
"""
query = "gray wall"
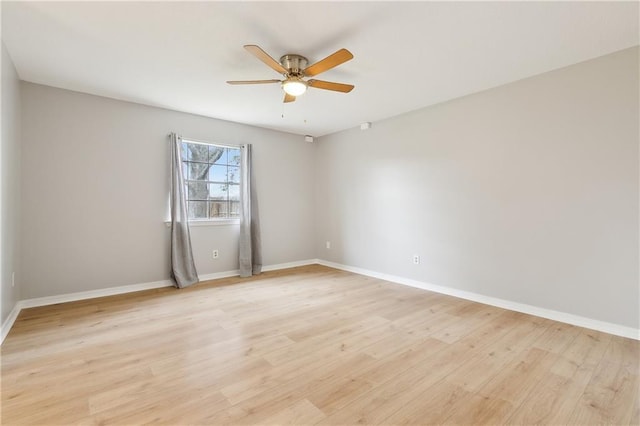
(527, 192)
(10, 187)
(95, 192)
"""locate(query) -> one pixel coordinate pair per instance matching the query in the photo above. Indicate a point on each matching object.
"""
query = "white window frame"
(221, 221)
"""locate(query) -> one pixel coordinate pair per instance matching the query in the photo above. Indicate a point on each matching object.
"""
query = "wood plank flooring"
(308, 346)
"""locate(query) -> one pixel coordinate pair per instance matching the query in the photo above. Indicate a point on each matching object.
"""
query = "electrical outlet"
(215, 254)
(328, 244)
(13, 279)
(416, 259)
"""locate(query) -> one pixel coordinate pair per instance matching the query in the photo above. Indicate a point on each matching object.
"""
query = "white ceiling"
(408, 55)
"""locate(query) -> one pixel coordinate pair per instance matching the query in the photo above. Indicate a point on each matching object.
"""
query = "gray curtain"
(250, 245)
(183, 269)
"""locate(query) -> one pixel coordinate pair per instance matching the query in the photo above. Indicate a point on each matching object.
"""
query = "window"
(212, 180)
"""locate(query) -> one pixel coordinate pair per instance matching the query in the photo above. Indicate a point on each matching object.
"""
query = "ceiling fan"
(294, 68)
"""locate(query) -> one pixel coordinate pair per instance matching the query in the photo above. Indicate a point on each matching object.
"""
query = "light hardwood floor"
(309, 345)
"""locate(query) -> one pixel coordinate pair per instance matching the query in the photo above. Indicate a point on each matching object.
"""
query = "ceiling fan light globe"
(294, 87)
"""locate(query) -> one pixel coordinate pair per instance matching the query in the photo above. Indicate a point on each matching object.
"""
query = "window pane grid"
(212, 177)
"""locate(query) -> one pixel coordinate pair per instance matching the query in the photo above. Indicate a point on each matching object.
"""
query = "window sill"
(217, 222)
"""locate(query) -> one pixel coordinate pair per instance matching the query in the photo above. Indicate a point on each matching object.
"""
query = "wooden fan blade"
(264, 57)
(331, 61)
(253, 81)
(288, 98)
(329, 85)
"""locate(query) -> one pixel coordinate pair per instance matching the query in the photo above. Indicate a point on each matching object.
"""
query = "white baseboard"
(611, 328)
(218, 275)
(111, 291)
(266, 268)
(289, 265)
(92, 294)
(8, 323)
(606, 327)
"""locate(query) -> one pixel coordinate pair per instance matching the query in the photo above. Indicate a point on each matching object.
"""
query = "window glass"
(212, 177)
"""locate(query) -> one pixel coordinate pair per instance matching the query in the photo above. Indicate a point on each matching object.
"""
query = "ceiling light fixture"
(294, 86)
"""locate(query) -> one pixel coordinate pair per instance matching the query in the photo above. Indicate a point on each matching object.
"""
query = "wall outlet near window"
(328, 245)
(215, 254)
(416, 259)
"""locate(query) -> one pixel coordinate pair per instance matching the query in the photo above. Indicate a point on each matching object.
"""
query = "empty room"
(320, 213)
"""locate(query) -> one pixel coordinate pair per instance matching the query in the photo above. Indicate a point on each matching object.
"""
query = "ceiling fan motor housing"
(295, 64)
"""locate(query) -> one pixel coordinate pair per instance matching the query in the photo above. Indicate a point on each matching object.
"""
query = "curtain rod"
(226, 145)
